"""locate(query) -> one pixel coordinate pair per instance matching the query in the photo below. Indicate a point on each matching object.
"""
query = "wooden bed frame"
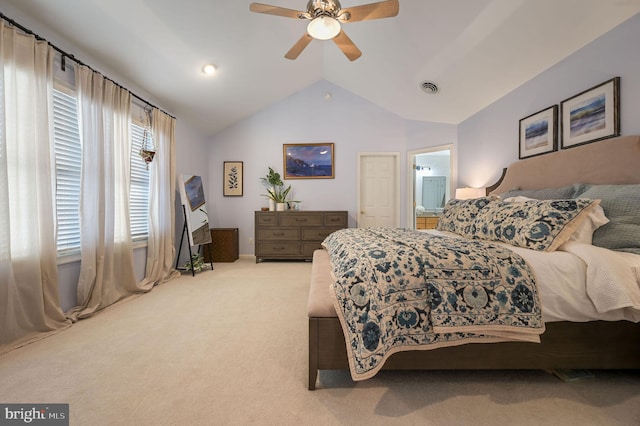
(564, 345)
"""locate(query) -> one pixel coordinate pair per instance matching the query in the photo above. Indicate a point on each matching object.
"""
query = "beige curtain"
(162, 187)
(106, 271)
(29, 301)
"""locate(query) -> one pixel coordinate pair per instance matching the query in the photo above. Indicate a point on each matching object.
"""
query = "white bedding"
(608, 289)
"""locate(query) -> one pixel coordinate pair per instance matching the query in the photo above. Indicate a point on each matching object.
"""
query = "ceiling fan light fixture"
(323, 28)
(209, 69)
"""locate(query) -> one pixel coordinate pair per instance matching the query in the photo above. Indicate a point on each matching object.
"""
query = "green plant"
(275, 186)
(272, 179)
(278, 193)
(197, 261)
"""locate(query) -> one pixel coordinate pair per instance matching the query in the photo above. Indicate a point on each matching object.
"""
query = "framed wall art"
(232, 179)
(539, 133)
(592, 115)
(308, 161)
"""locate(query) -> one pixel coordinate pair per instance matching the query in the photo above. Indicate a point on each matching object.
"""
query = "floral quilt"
(399, 289)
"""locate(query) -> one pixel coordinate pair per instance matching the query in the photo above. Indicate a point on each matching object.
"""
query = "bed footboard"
(564, 345)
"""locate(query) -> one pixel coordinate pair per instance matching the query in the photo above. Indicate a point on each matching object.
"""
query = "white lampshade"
(468, 193)
(323, 28)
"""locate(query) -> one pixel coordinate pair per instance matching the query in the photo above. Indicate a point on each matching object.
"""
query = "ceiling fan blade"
(383, 9)
(347, 46)
(299, 46)
(275, 10)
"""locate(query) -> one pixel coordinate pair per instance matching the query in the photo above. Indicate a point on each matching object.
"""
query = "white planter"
(280, 207)
(272, 205)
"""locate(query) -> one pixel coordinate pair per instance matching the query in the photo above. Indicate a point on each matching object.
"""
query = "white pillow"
(585, 229)
(594, 220)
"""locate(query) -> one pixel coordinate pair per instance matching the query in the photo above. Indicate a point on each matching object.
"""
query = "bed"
(584, 341)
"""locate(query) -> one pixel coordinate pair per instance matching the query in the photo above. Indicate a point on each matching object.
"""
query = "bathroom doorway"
(431, 177)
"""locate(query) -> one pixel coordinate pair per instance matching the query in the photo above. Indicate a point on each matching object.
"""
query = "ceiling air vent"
(429, 87)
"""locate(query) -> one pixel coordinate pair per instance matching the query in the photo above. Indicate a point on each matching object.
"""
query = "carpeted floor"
(228, 347)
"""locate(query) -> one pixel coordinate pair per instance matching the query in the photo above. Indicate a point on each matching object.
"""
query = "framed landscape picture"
(308, 161)
(592, 115)
(539, 133)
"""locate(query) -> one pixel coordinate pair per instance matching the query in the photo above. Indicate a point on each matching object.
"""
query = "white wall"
(352, 123)
(425, 134)
(488, 141)
(192, 151)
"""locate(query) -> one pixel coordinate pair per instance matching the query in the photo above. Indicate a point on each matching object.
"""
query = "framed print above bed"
(592, 115)
(232, 179)
(308, 161)
(539, 133)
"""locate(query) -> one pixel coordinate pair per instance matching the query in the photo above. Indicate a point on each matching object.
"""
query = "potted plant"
(276, 191)
(196, 262)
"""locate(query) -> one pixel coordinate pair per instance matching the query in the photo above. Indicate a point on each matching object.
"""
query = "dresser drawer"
(316, 234)
(301, 219)
(278, 248)
(337, 219)
(267, 219)
(292, 234)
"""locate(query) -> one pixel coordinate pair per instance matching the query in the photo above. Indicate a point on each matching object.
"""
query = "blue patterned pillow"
(542, 225)
(458, 215)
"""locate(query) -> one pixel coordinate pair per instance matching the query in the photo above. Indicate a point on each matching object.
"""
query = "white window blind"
(139, 192)
(68, 152)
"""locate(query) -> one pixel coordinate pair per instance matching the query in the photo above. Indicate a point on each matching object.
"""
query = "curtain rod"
(73, 58)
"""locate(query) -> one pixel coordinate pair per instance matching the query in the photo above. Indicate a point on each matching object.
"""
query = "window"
(68, 153)
(68, 160)
(139, 192)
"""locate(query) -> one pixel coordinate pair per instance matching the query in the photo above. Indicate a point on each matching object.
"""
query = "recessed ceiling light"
(209, 69)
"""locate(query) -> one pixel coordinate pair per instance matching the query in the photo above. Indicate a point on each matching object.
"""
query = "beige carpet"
(228, 347)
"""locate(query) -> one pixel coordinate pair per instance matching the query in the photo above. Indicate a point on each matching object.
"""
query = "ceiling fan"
(325, 17)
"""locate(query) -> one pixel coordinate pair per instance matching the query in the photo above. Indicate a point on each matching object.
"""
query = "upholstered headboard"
(611, 161)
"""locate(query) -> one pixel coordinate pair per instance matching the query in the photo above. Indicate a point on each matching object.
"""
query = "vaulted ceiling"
(476, 51)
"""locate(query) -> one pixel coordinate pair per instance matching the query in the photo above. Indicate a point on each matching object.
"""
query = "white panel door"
(378, 203)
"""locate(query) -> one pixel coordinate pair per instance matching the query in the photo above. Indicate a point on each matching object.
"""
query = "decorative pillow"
(562, 193)
(542, 225)
(458, 215)
(621, 204)
(585, 229)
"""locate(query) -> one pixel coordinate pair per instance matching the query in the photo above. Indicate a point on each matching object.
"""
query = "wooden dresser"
(294, 234)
